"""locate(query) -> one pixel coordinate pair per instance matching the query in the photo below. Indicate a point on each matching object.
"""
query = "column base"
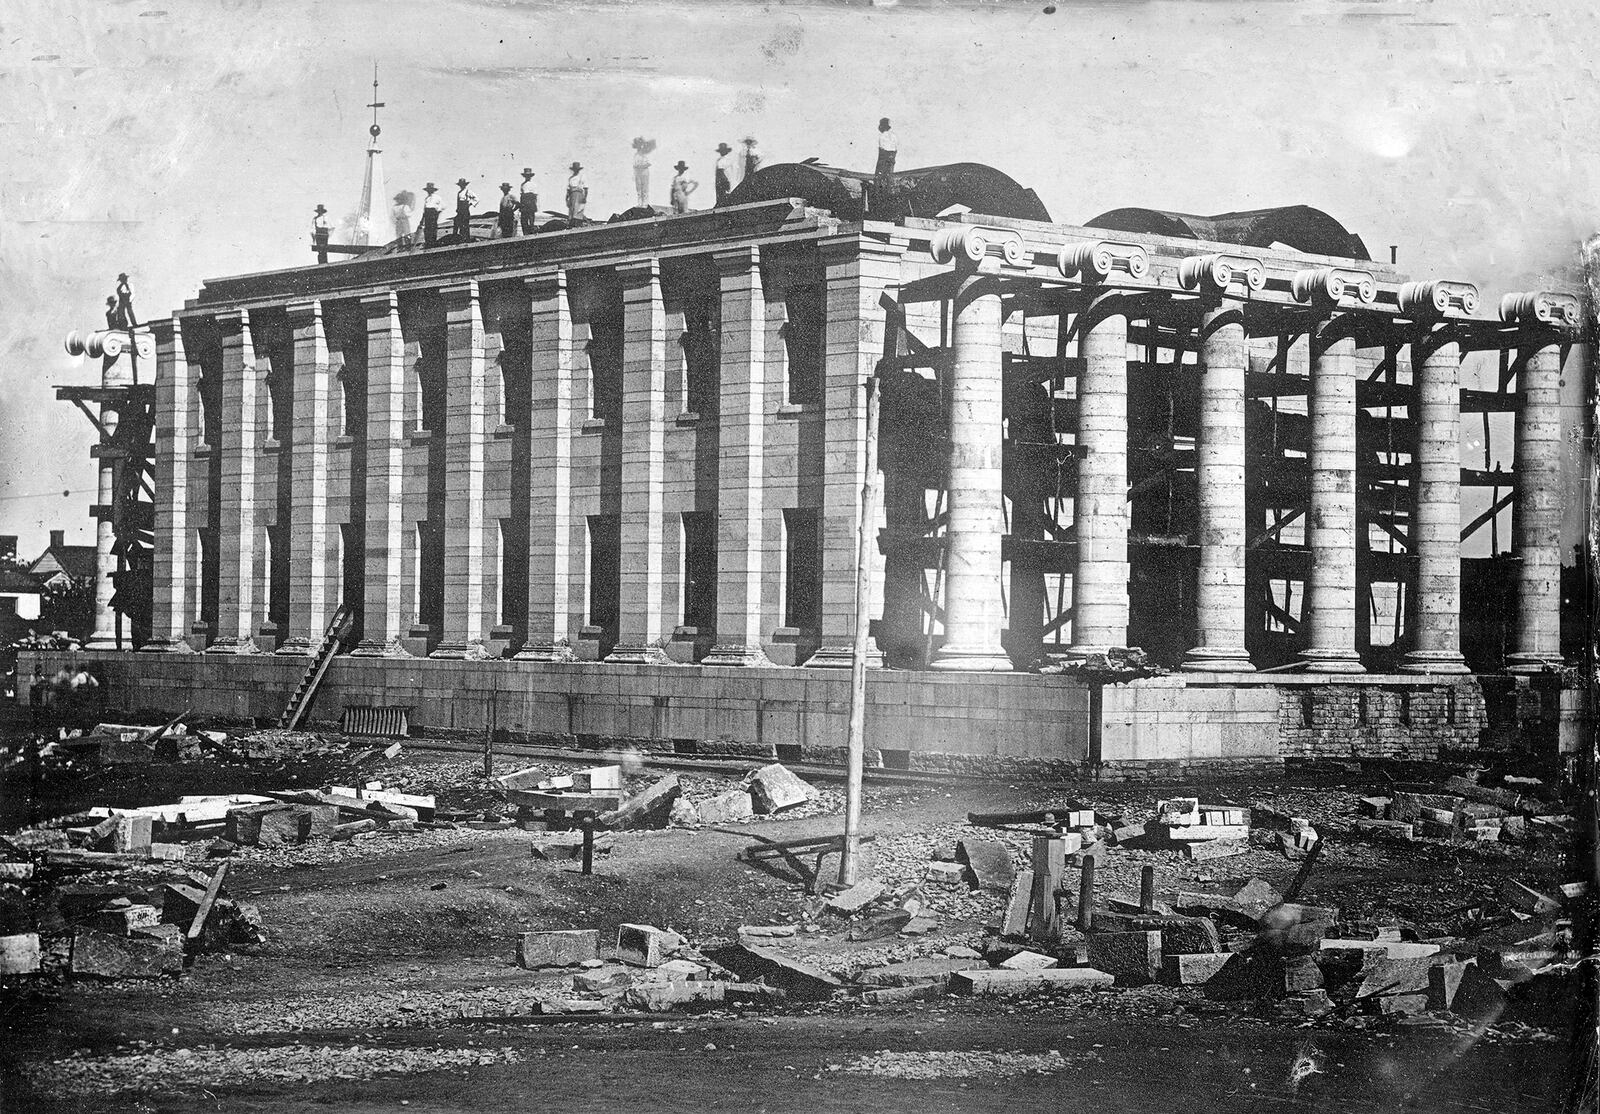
(166, 646)
(299, 645)
(955, 658)
(547, 650)
(1217, 659)
(1528, 663)
(376, 648)
(231, 645)
(842, 657)
(1434, 661)
(1331, 661)
(467, 650)
(624, 653)
(106, 640)
(735, 654)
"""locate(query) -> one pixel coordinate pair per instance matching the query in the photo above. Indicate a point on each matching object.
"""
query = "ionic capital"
(1328, 285)
(1542, 307)
(968, 245)
(1096, 260)
(1424, 301)
(111, 343)
(1216, 274)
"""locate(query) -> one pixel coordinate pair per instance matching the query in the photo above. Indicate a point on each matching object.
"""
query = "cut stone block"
(1444, 979)
(131, 835)
(726, 808)
(650, 809)
(1133, 957)
(682, 970)
(1395, 976)
(1309, 1003)
(800, 980)
(892, 995)
(1402, 1004)
(657, 997)
(1011, 983)
(919, 972)
(560, 948)
(1526, 898)
(1300, 973)
(857, 897)
(593, 982)
(20, 954)
(1197, 833)
(1030, 961)
(946, 874)
(1478, 997)
(1015, 921)
(1179, 811)
(990, 862)
(101, 955)
(774, 788)
(122, 920)
(598, 779)
(642, 945)
(1216, 849)
(1184, 935)
(1191, 970)
(684, 814)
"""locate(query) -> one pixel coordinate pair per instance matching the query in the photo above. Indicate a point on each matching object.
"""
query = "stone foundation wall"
(1413, 721)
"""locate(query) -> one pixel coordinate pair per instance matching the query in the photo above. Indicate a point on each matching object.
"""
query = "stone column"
(1436, 531)
(1219, 477)
(120, 351)
(550, 459)
(644, 461)
(1331, 594)
(1100, 506)
(237, 533)
(973, 605)
(464, 451)
(858, 271)
(170, 605)
(740, 461)
(1536, 513)
(383, 543)
(309, 612)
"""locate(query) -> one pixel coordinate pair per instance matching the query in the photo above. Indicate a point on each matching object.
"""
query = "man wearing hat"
(752, 157)
(724, 172)
(888, 147)
(125, 315)
(641, 168)
(430, 215)
(577, 193)
(682, 187)
(319, 233)
(528, 202)
(508, 212)
(465, 200)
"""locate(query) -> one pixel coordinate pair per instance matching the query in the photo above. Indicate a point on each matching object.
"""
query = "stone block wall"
(1389, 719)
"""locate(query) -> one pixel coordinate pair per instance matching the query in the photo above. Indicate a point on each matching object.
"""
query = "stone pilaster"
(740, 463)
(1436, 530)
(464, 451)
(1536, 512)
(1100, 506)
(973, 603)
(384, 541)
(309, 610)
(171, 607)
(1331, 532)
(238, 533)
(1219, 477)
(644, 399)
(550, 458)
(858, 272)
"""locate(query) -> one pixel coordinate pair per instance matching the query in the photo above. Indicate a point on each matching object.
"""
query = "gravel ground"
(961, 1065)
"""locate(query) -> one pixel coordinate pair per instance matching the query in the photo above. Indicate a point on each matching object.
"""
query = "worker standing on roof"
(465, 200)
(752, 157)
(528, 201)
(405, 203)
(319, 233)
(430, 215)
(125, 317)
(577, 193)
(508, 212)
(641, 168)
(888, 147)
(682, 187)
(724, 172)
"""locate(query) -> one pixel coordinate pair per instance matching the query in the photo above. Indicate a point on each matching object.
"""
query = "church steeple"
(374, 220)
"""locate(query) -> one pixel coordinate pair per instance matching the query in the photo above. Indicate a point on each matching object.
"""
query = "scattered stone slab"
(946, 874)
(1014, 983)
(1184, 935)
(893, 995)
(20, 954)
(1395, 976)
(102, 955)
(642, 945)
(1524, 897)
(856, 898)
(775, 788)
(752, 963)
(682, 970)
(1178, 812)
(659, 997)
(1219, 848)
(594, 982)
(989, 860)
(767, 931)
(650, 809)
(1191, 970)
(1030, 961)
(1309, 1003)
(882, 925)
(560, 948)
(1015, 920)
(1301, 973)
(732, 807)
(1131, 957)
(684, 814)
(1478, 997)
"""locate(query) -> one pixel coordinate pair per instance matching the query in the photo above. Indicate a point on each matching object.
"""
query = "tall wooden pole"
(857, 748)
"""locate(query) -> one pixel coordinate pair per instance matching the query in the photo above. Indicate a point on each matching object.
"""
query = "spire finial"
(375, 105)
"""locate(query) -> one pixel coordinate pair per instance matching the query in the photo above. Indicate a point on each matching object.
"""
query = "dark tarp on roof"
(925, 192)
(1299, 226)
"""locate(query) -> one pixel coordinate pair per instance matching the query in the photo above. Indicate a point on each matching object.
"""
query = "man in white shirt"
(883, 178)
(682, 187)
(465, 200)
(430, 215)
(528, 201)
(577, 193)
(724, 172)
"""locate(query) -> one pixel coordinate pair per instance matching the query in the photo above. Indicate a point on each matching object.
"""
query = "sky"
(180, 140)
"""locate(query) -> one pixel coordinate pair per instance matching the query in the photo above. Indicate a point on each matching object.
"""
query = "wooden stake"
(857, 748)
(1147, 890)
(212, 889)
(1086, 897)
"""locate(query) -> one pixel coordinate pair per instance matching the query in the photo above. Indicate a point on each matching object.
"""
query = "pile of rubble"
(121, 744)
(1462, 811)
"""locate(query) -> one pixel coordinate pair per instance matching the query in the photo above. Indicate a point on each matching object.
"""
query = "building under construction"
(606, 482)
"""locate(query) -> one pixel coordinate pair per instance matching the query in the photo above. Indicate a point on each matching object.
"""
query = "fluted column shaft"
(1436, 529)
(973, 606)
(237, 532)
(1219, 476)
(1536, 513)
(550, 457)
(308, 466)
(465, 447)
(1331, 595)
(1100, 507)
(384, 539)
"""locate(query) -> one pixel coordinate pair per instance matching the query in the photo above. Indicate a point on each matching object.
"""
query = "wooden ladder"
(307, 690)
